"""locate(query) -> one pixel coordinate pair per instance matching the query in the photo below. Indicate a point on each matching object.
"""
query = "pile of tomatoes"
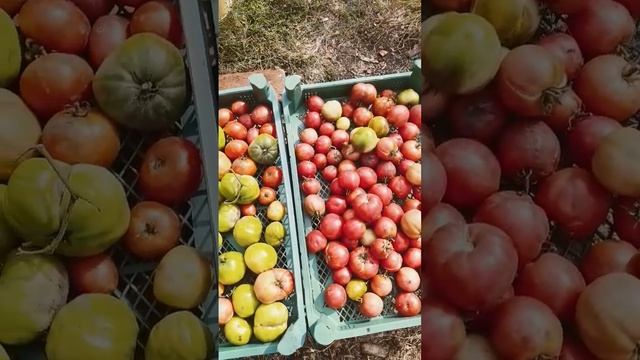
(531, 156)
(366, 154)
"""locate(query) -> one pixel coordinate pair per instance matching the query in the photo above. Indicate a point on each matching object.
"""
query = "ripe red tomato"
(575, 201)
(349, 153)
(244, 166)
(235, 130)
(525, 328)
(323, 144)
(334, 157)
(224, 116)
(409, 131)
(262, 115)
(386, 148)
(336, 204)
(371, 305)
(565, 48)
(331, 227)
(153, 231)
(393, 211)
(349, 180)
(553, 280)
(585, 136)
(304, 152)
(473, 172)
(383, 192)
(320, 160)
(408, 304)
(368, 207)
(252, 134)
(393, 262)
(309, 136)
(385, 228)
(347, 110)
(354, 194)
(330, 173)
(362, 264)
(408, 279)
(316, 242)
(439, 216)
(413, 258)
(381, 248)
(385, 170)
(362, 116)
(341, 276)
(471, 279)
(307, 169)
(400, 187)
(246, 121)
(93, 274)
(339, 138)
(626, 219)
(401, 242)
(239, 107)
(314, 103)
(398, 116)
(160, 17)
(235, 149)
(336, 255)
(443, 330)
(517, 215)
(272, 177)
(107, 34)
(269, 128)
(353, 229)
(335, 296)
(479, 116)
(267, 196)
(369, 160)
(336, 189)
(367, 176)
(171, 171)
(312, 120)
(528, 149)
(326, 128)
(381, 285)
(382, 105)
(606, 257)
(435, 182)
(248, 210)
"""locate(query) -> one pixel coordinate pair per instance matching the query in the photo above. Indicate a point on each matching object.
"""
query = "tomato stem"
(55, 243)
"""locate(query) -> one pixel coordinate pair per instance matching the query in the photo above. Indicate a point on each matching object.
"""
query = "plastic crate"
(196, 125)
(293, 338)
(328, 325)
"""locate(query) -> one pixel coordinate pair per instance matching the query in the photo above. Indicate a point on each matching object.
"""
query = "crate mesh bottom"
(284, 251)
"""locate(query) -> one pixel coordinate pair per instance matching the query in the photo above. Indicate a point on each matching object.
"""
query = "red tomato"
(393, 211)
(235, 130)
(381, 285)
(336, 255)
(334, 157)
(316, 242)
(368, 207)
(362, 264)
(408, 279)
(268, 129)
(341, 276)
(244, 166)
(626, 219)
(382, 105)
(331, 227)
(381, 248)
(555, 281)
(339, 138)
(585, 136)
(393, 262)
(401, 242)
(413, 258)
(307, 169)
(385, 228)
(517, 215)
(362, 116)
(400, 187)
(304, 152)
(314, 103)
(335, 188)
(354, 194)
(383, 192)
(335, 296)
(471, 278)
(323, 144)
(239, 108)
(252, 134)
(473, 172)
(107, 34)
(565, 48)
(336, 204)
(606, 257)
(326, 129)
(224, 116)
(408, 304)
(479, 116)
(235, 149)
(439, 216)
(246, 121)
(309, 136)
(367, 176)
(248, 210)
(409, 131)
(575, 201)
(312, 120)
(261, 115)
(93, 275)
(525, 328)
(353, 229)
(267, 196)
(371, 305)
(272, 177)
(398, 116)
(443, 331)
(320, 161)
(160, 17)
(385, 170)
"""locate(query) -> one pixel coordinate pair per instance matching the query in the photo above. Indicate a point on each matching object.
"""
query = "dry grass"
(320, 40)
(324, 41)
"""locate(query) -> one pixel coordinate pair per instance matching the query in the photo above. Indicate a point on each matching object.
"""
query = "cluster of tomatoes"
(368, 226)
(531, 157)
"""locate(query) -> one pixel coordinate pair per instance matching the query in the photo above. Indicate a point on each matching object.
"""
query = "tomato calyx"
(78, 108)
(634, 211)
(148, 89)
(631, 73)
(32, 51)
(551, 97)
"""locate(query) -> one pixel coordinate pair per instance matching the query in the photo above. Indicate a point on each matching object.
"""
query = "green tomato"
(275, 211)
(260, 257)
(380, 125)
(247, 231)
(356, 289)
(93, 326)
(8, 239)
(408, 97)
(179, 336)
(36, 201)
(270, 321)
(249, 190)
(515, 21)
(237, 331)
(343, 123)
(461, 53)
(143, 84)
(229, 187)
(220, 242)
(32, 289)
(19, 130)
(231, 268)
(182, 279)
(264, 149)
(11, 50)
(274, 233)
(228, 216)
(244, 300)
(364, 139)
(221, 140)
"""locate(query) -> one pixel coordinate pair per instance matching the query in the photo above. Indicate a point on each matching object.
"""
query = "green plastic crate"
(293, 338)
(327, 325)
(196, 125)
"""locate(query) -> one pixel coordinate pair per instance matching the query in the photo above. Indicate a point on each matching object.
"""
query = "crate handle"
(416, 75)
(293, 89)
(324, 330)
(294, 338)
(261, 88)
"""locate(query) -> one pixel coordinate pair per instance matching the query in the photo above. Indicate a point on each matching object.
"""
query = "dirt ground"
(324, 41)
